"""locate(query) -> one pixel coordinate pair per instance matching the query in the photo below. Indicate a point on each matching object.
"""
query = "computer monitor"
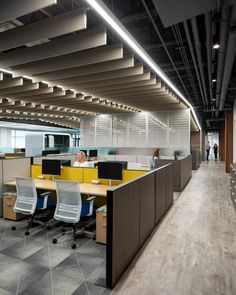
(93, 153)
(51, 167)
(50, 152)
(124, 163)
(66, 163)
(85, 151)
(110, 170)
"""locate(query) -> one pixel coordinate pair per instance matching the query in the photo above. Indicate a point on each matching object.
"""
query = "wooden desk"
(85, 188)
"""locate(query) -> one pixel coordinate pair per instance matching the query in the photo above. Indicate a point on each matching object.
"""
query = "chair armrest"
(44, 195)
(90, 198)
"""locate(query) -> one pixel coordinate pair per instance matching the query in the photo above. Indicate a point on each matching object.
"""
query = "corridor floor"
(194, 249)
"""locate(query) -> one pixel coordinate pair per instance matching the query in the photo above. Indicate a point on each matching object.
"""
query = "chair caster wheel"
(48, 227)
(63, 230)
(13, 228)
(94, 237)
(54, 241)
(27, 233)
(73, 246)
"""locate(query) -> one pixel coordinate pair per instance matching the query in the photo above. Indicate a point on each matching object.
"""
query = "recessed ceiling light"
(214, 80)
(216, 46)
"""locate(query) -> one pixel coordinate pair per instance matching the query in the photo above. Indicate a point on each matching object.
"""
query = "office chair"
(69, 207)
(27, 201)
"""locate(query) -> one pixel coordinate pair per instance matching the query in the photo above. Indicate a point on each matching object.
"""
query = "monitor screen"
(50, 152)
(85, 151)
(110, 170)
(124, 163)
(93, 153)
(51, 167)
(66, 162)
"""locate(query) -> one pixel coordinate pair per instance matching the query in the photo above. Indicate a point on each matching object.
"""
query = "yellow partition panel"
(89, 174)
(131, 174)
(67, 173)
(85, 174)
(92, 173)
(71, 173)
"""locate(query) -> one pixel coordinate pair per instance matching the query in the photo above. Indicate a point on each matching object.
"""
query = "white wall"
(5, 138)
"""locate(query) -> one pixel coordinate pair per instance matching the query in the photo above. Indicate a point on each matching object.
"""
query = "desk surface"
(85, 188)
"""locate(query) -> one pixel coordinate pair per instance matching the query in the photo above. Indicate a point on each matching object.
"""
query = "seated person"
(81, 160)
(156, 154)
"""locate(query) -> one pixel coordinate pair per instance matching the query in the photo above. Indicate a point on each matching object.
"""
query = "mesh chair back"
(69, 202)
(26, 198)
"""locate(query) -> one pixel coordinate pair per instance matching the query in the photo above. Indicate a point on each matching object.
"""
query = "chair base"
(76, 234)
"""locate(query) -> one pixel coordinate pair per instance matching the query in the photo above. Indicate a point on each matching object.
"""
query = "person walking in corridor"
(215, 148)
(208, 148)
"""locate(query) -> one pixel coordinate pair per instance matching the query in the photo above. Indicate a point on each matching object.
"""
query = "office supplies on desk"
(95, 181)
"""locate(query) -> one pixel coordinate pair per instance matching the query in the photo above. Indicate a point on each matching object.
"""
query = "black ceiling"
(183, 51)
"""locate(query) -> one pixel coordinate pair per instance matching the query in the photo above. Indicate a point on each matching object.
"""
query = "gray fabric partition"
(38, 160)
(9, 168)
(133, 210)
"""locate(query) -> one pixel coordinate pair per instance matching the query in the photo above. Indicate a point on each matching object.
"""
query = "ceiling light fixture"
(216, 46)
(112, 20)
(213, 80)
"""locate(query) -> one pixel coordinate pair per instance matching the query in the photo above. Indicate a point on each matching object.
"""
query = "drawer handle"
(9, 205)
(104, 225)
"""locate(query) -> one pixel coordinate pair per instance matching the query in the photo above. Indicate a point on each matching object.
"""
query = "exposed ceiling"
(79, 66)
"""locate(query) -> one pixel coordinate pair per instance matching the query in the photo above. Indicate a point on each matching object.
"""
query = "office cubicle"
(182, 171)
(133, 210)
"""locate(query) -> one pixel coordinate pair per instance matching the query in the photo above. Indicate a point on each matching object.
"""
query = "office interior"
(145, 92)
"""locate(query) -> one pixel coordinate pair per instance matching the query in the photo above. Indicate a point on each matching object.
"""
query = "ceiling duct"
(173, 12)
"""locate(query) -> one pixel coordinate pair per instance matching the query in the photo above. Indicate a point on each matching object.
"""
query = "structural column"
(228, 140)
(222, 141)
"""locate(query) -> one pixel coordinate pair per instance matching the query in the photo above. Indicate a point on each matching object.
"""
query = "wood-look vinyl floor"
(194, 249)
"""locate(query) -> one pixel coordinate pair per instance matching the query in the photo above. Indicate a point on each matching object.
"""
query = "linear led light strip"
(111, 19)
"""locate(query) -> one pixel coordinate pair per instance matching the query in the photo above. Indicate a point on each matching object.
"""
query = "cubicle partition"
(83, 174)
(9, 169)
(38, 160)
(196, 159)
(182, 171)
(133, 210)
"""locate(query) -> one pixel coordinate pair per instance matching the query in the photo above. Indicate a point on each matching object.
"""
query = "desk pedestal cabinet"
(8, 205)
(101, 225)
